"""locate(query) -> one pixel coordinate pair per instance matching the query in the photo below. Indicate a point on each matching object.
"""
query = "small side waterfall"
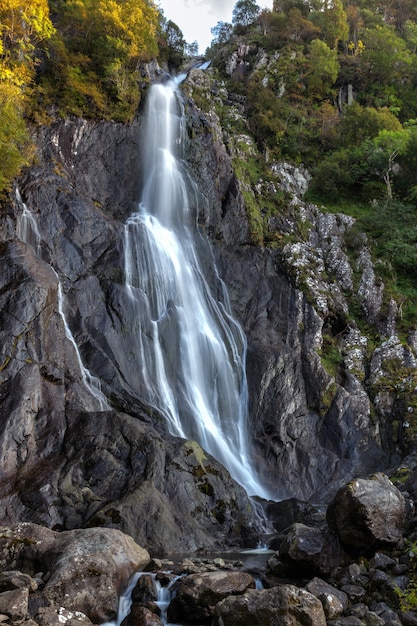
(27, 227)
(163, 597)
(28, 232)
(191, 352)
(91, 382)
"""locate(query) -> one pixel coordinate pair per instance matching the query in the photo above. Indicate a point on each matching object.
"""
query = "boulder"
(333, 600)
(198, 594)
(88, 569)
(287, 512)
(141, 616)
(14, 603)
(50, 616)
(144, 590)
(284, 605)
(310, 549)
(367, 513)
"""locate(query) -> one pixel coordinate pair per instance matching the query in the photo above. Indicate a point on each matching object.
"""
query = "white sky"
(197, 17)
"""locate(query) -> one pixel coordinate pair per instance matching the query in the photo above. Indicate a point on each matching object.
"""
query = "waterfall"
(163, 597)
(27, 230)
(27, 227)
(190, 351)
(91, 382)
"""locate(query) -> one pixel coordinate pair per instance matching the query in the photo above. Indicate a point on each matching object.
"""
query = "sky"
(197, 17)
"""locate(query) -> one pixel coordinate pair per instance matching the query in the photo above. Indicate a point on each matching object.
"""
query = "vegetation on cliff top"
(331, 85)
(73, 57)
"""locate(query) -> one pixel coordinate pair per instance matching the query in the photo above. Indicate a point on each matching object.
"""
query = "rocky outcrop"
(75, 577)
(321, 410)
(79, 445)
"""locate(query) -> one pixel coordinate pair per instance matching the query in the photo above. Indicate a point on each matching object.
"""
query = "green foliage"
(221, 32)
(245, 12)
(93, 58)
(323, 69)
(361, 122)
(386, 61)
(24, 28)
(330, 355)
(332, 21)
(175, 44)
(15, 146)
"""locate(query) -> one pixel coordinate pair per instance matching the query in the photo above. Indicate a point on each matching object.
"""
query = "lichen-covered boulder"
(198, 594)
(285, 605)
(87, 569)
(367, 513)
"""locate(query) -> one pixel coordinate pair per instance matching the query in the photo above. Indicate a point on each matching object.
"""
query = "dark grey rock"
(368, 513)
(88, 568)
(334, 601)
(284, 605)
(14, 603)
(311, 549)
(198, 594)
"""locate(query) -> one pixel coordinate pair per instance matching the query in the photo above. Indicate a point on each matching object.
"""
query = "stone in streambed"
(198, 594)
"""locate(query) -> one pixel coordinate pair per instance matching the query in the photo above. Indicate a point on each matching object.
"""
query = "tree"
(95, 53)
(245, 13)
(410, 36)
(23, 25)
(298, 28)
(389, 145)
(386, 56)
(15, 145)
(332, 20)
(359, 123)
(355, 24)
(221, 32)
(322, 69)
(398, 12)
(191, 49)
(285, 6)
(175, 42)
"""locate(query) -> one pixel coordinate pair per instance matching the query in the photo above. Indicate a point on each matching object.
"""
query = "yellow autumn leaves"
(24, 24)
(85, 61)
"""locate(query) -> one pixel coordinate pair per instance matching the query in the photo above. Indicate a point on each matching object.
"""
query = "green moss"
(327, 397)
(331, 357)
(401, 476)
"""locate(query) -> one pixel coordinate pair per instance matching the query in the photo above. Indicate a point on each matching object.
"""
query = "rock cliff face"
(74, 454)
(79, 454)
(323, 404)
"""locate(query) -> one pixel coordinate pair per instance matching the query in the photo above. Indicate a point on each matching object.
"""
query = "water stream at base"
(163, 594)
(191, 351)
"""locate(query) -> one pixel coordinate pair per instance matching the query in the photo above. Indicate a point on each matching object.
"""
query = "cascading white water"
(27, 227)
(190, 350)
(91, 382)
(163, 597)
